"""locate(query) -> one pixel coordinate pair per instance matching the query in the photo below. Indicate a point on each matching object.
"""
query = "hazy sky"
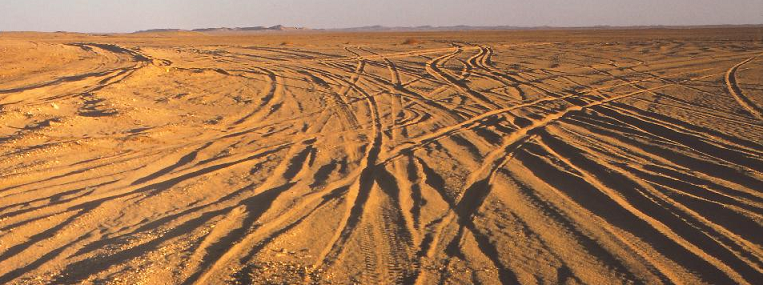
(131, 15)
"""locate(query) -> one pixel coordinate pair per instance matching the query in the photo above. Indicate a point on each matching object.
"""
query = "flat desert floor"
(576, 157)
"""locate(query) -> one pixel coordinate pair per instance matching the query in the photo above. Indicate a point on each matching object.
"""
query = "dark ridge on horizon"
(428, 28)
(425, 28)
(276, 28)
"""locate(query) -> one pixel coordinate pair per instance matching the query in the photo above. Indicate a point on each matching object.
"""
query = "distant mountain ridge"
(379, 28)
(251, 29)
(276, 28)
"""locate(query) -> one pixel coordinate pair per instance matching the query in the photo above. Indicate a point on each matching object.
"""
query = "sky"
(133, 15)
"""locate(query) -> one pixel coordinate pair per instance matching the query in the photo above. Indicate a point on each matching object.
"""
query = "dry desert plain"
(569, 156)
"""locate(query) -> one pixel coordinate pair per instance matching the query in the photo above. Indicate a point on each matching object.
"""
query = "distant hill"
(277, 28)
(225, 30)
(377, 28)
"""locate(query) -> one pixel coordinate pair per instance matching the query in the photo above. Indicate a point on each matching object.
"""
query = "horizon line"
(422, 28)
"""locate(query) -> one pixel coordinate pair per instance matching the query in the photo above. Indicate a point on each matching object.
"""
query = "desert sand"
(570, 156)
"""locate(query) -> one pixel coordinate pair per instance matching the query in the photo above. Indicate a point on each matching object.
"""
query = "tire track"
(734, 90)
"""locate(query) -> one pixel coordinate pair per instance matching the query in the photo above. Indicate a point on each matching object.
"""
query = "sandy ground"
(576, 157)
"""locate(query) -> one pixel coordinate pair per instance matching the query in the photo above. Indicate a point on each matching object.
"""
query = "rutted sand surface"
(514, 157)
